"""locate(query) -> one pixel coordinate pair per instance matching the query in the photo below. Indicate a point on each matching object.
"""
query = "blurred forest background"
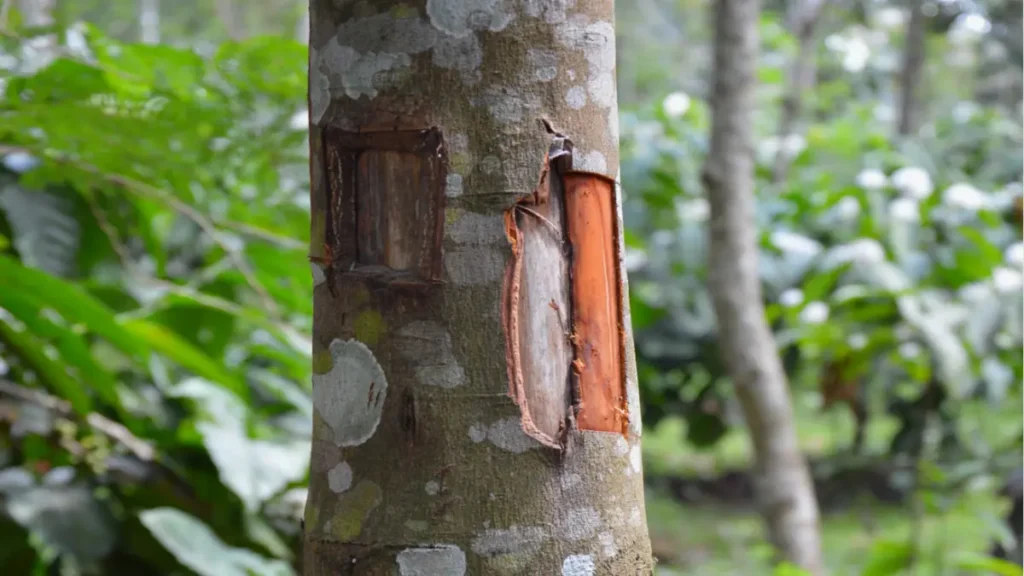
(155, 307)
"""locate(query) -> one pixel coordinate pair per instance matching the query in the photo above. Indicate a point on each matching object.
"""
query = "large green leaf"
(197, 548)
(52, 373)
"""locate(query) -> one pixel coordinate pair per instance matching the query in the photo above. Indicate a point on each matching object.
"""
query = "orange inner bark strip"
(592, 225)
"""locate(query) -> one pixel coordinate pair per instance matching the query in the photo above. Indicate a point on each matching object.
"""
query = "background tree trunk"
(476, 407)
(913, 63)
(149, 21)
(784, 489)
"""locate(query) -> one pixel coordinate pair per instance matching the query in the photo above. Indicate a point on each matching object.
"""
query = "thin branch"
(804, 27)
(114, 430)
(5, 10)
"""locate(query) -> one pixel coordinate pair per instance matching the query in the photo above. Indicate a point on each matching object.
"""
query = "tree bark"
(229, 17)
(475, 382)
(803, 22)
(913, 64)
(149, 21)
(784, 490)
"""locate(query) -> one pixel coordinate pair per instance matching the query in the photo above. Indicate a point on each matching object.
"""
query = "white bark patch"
(432, 488)
(636, 518)
(516, 539)
(543, 64)
(350, 397)
(429, 347)
(570, 481)
(461, 17)
(477, 433)
(474, 266)
(352, 73)
(508, 435)
(578, 565)
(597, 41)
(339, 478)
(462, 54)
(613, 126)
(473, 229)
(553, 11)
(636, 458)
(490, 165)
(607, 542)
(592, 161)
(509, 106)
(318, 274)
(439, 560)
(621, 446)
(576, 97)
(579, 524)
(453, 185)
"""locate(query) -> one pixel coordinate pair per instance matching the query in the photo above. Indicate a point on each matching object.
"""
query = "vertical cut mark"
(535, 305)
(597, 321)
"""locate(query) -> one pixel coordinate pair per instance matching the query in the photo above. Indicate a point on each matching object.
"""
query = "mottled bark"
(447, 140)
(803, 22)
(783, 485)
(913, 65)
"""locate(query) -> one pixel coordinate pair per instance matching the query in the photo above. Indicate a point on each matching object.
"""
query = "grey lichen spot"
(416, 525)
(429, 347)
(461, 17)
(576, 97)
(473, 229)
(385, 33)
(432, 488)
(453, 185)
(570, 481)
(592, 161)
(636, 517)
(579, 524)
(490, 165)
(607, 542)
(543, 63)
(474, 266)
(513, 540)
(352, 73)
(319, 88)
(438, 560)
(509, 106)
(613, 126)
(458, 143)
(597, 41)
(553, 11)
(339, 478)
(462, 54)
(477, 433)
(318, 274)
(578, 565)
(621, 446)
(508, 435)
(350, 397)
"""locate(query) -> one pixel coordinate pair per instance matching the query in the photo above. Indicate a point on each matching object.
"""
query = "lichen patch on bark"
(353, 508)
(578, 565)
(339, 479)
(350, 396)
(437, 560)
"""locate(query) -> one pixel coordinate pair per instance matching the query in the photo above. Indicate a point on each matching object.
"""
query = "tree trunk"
(475, 382)
(149, 21)
(229, 17)
(784, 490)
(913, 64)
(40, 50)
(803, 21)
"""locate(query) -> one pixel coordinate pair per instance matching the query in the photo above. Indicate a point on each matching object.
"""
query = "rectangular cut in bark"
(597, 312)
(386, 200)
(536, 312)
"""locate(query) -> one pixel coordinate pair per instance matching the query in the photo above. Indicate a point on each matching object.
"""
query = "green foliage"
(153, 278)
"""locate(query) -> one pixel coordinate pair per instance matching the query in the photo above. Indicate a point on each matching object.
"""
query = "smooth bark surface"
(448, 369)
(784, 490)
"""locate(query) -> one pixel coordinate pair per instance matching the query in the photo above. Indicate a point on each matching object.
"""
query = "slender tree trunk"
(149, 21)
(229, 17)
(302, 27)
(475, 384)
(784, 489)
(42, 49)
(913, 64)
(803, 21)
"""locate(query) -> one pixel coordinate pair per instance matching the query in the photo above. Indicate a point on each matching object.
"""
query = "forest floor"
(702, 521)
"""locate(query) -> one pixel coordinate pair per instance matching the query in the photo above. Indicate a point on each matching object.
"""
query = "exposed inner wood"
(597, 322)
